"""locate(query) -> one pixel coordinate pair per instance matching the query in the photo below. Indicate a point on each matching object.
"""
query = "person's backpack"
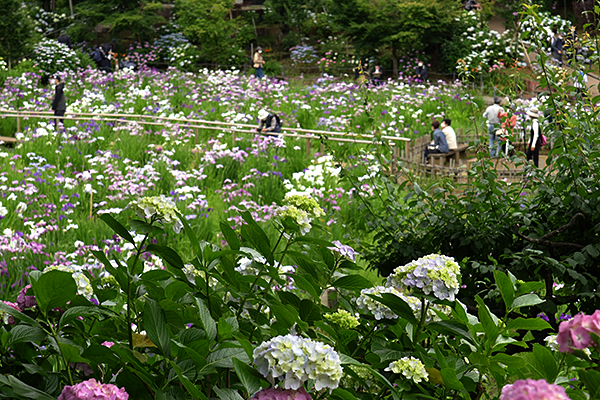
(97, 55)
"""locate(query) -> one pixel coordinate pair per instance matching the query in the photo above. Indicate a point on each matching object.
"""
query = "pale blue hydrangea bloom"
(434, 273)
(293, 360)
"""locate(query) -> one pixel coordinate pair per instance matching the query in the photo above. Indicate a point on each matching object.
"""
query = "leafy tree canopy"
(16, 31)
(394, 26)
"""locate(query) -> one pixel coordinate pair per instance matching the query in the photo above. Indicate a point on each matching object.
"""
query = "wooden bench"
(5, 140)
(452, 153)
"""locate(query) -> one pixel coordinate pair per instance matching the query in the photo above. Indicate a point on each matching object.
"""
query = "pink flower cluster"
(93, 390)
(530, 389)
(575, 333)
(281, 394)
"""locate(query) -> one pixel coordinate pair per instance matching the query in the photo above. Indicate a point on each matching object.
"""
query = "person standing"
(491, 114)
(449, 133)
(421, 73)
(59, 103)
(533, 147)
(258, 63)
(439, 143)
(557, 48)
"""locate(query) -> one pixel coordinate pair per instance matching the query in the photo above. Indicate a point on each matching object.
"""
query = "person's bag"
(543, 140)
(97, 56)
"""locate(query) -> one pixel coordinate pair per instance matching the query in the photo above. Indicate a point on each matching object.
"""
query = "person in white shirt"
(533, 147)
(449, 133)
(491, 114)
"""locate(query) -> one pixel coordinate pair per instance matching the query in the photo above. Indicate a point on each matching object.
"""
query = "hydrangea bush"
(52, 56)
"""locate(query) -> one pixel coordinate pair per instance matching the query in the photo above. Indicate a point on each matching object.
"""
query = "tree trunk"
(395, 61)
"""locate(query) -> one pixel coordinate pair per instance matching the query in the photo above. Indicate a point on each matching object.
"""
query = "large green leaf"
(54, 289)
(82, 311)
(230, 236)
(223, 357)
(526, 300)
(25, 333)
(208, 323)
(189, 386)
(506, 287)
(18, 315)
(341, 394)
(227, 394)
(487, 321)
(156, 328)
(352, 282)
(117, 227)
(591, 380)
(531, 324)
(398, 306)
(24, 390)
(450, 379)
(168, 254)
(248, 376)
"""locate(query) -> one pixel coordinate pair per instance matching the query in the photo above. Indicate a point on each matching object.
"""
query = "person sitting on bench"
(439, 143)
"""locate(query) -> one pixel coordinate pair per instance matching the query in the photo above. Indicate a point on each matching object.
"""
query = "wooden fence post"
(308, 147)
(18, 124)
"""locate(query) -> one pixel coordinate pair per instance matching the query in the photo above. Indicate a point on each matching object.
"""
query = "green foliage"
(206, 23)
(17, 33)
(139, 18)
(394, 26)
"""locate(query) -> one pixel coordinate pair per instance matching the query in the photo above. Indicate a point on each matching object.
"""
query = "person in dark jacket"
(439, 144)
(59, 103)
(421, 73)
(106, 54)
(65, 39)
(268, 122)
(557, 48)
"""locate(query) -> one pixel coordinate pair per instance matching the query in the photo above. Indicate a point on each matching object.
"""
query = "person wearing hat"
(268, 122)
(533, 147)
(493, 120)
(59, 103)
(259, 63)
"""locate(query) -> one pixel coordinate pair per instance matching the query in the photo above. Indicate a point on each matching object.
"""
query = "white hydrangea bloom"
(434, 273)
(412, 368)
(294, 359)
(160, 207)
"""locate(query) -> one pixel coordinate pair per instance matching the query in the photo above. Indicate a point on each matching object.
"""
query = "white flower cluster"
(434, 273)
(381, 311)
(247, 266)
(412, 368)
(313, 178)
(378, 310)
(294, 360)
(183, 56)
(488, 47)
(53, 56)
(160, 207)
(83, 283)
(301, 209)
(3, 65)
(542, 32)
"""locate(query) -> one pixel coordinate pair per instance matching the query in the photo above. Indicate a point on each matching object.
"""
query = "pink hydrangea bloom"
(93, 390)
(281, 394)
(575, 333)
(530, 389)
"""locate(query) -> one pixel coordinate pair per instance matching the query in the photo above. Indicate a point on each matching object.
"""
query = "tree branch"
(544, 239)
